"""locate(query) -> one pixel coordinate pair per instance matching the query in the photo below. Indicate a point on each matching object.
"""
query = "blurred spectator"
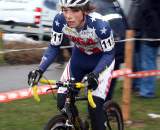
(136, 62)
(144, 17)
(112, 11)
(125, 5)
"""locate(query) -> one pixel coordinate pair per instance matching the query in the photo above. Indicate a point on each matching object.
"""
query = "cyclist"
(92, 59)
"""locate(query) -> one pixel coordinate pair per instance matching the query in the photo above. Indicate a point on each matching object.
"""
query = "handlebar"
(78, 85)
(49, 82)
(34, 90)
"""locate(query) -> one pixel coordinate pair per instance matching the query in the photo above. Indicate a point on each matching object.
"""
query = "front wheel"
(114, 118)
(57, 123)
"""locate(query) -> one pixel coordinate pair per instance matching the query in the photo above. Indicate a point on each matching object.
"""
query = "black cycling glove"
(91, 81)
(34, 76)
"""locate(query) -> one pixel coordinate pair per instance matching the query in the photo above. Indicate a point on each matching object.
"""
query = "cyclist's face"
(74, 17)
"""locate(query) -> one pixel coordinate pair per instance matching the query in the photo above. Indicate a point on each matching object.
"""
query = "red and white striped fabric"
(27, 93)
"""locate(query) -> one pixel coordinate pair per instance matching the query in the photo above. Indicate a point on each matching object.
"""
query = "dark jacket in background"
(118, 26)
(144, 15)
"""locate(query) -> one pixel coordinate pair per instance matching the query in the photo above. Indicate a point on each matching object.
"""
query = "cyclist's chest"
(83, 37)
(86, 39)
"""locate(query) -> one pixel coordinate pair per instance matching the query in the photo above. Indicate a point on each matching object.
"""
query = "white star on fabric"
(64, 25)
(103, 31)
(93, 29)
(57, 23)
(90, 32)
(93, 19)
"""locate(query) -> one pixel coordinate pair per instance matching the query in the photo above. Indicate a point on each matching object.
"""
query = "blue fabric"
(146, 60)
(104, 62)
(137, 61)
(82, 64)
(119, 27)
(48, 57)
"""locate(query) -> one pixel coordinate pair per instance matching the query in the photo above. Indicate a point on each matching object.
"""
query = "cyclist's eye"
(64, 10)
(75, 9)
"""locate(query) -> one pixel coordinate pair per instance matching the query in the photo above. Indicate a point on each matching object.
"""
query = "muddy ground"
(32, 56)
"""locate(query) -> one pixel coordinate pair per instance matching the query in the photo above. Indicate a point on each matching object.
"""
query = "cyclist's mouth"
(71, 23)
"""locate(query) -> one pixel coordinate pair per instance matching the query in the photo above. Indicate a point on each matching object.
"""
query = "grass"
(30, 115)
(140, 108)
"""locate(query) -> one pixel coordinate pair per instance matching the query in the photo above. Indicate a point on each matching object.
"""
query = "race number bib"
(56, 38)
(108, 43)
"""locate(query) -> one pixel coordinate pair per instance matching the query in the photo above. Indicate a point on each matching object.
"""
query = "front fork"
(66, 110)
(73, 121)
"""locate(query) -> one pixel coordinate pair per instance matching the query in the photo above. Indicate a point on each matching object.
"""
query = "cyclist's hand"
(91, 81)
(34, 77)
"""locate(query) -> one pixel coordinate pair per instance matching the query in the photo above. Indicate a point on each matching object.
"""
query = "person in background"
(113, 12)
(144, 18)
(93, 42)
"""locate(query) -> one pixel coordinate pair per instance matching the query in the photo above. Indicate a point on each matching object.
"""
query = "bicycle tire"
(114, 118)
(57, 123)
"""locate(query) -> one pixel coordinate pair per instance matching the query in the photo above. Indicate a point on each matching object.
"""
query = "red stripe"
(108, 85)
(23, 93)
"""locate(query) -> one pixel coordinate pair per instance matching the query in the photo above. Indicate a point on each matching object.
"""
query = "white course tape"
(64, 47)
(29, 49)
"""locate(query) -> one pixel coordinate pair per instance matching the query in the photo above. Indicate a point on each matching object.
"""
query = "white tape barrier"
(29, 49)
(64, 47)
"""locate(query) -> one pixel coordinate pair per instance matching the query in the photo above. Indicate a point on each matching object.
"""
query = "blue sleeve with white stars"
(58, 23)
(48, 57)
(107, 43)
(104, 62)
(54, 46)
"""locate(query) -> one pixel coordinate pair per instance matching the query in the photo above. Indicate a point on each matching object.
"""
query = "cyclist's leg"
(61, 96)
(67, 74)
(97, 115)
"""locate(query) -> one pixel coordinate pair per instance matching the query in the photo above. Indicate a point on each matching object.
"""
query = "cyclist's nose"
(68, 16)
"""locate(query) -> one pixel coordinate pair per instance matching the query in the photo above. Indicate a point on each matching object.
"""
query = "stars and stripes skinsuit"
(93, 51)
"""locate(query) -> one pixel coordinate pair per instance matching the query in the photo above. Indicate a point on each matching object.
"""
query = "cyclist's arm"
(107, 44)
(48, 57)
(54, 46)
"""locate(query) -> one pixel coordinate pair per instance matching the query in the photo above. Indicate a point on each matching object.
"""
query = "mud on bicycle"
(69, 118)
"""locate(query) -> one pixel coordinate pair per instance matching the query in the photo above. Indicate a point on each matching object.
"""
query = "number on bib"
(107, 44)
(56, 38)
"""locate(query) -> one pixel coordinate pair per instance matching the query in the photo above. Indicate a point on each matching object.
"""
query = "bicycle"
(69, 118)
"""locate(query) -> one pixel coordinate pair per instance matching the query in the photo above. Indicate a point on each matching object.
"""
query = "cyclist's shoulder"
(58, 22)
(59, 16)
(97, 21)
